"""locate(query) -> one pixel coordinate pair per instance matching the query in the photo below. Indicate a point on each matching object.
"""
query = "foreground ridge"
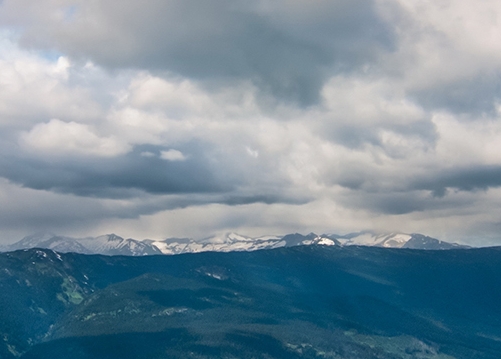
(310, 302)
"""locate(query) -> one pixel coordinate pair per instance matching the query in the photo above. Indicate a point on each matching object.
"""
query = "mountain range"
(308, 301)
(112, 244)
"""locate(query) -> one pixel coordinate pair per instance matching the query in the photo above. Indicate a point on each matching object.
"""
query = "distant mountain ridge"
(112, 244)
(395, 240)
(109, 244)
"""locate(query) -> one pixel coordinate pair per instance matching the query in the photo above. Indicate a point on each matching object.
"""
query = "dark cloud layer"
(473, 95)
(472, 178)
(407, 194)
(283, 52)
(199, 179)
(399, 202)
(119, 177)
(356, 136)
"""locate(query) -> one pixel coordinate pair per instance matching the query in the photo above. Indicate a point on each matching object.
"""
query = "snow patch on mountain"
(223, 242)
(391, 240)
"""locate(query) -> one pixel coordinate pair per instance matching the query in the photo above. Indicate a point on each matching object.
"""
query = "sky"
(182, 118)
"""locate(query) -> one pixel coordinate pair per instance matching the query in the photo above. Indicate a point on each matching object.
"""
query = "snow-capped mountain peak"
(224, 242)
(387, 240)
(39, 237)
(112, 244)
(109, 244)
(228, 237)
(394, 240)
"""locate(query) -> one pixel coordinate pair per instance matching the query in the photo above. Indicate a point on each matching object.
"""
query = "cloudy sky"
(163, 118)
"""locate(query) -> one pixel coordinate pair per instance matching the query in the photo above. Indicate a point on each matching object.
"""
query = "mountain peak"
(110, 237)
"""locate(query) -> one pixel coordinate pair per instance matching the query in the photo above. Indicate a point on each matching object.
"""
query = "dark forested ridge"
(298, 302)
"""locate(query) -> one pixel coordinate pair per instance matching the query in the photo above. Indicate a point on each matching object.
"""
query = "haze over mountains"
(112, 244)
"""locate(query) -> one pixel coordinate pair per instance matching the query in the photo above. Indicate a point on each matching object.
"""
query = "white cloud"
(172, 155)
(444, 43)
(60, 138)
(468, 142)
(33, 86)
(251, 152)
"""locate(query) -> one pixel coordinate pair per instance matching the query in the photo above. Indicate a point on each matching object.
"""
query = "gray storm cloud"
(285, 48)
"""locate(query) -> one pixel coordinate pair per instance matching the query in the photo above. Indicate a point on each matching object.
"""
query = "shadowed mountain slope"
(298, 302)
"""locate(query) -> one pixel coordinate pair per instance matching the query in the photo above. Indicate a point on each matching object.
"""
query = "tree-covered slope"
(299, 302)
